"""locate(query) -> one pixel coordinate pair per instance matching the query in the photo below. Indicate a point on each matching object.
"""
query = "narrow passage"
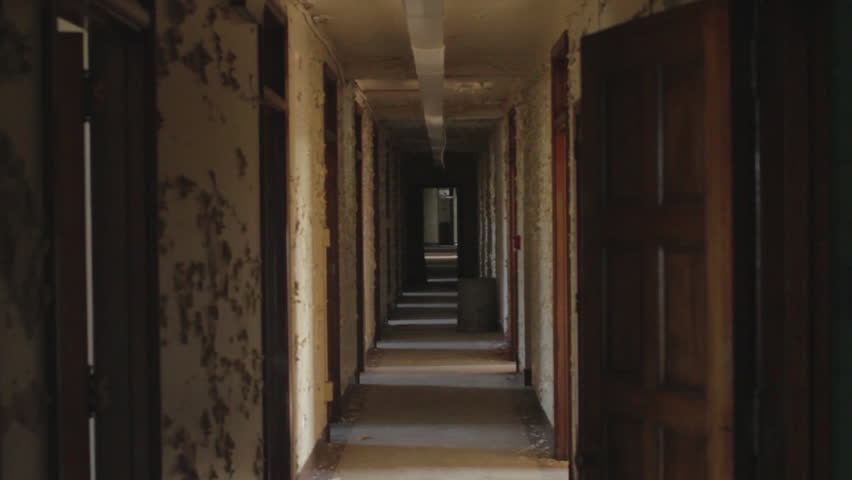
(435, 403)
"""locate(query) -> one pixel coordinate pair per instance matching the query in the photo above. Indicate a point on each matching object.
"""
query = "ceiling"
(492, 46)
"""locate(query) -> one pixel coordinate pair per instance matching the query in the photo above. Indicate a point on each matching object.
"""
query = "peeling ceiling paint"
(492, 48)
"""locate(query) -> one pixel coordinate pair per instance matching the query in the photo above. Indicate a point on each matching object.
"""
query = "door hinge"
(92, 392)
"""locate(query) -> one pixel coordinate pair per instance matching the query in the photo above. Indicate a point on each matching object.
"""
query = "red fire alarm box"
(516, 242)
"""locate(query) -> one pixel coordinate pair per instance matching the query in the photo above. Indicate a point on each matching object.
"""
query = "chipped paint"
(24, 246)
(209, 243)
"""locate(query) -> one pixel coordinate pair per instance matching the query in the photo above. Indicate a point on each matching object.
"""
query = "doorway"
(103, 174)
(274, 243)
(332, 190)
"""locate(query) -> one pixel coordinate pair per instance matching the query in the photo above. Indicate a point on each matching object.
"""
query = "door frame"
(273, 114)
(332, 191)
(359, 235)
(143, 444)
(514, 242)
(562, 299)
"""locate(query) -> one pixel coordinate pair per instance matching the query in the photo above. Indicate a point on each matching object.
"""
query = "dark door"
(125, 292)
(69, 195)
(359, 234)
(514, 240)
(416, 270)
(377, 244)
(333, 251)
(656, 250)
(273, 204)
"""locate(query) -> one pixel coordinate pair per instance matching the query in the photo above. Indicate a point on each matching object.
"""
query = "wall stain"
(197, 60)
(221, 277)
(242, 162)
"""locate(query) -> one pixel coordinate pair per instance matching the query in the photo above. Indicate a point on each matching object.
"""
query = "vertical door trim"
(514, 310)
(562, 302)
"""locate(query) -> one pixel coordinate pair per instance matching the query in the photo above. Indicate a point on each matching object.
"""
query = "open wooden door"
(514, 246)
(656, 250)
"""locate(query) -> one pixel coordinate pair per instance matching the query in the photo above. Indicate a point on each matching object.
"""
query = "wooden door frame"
(359, 236)
(143, 359)
(377, 248)
(69, 449)
(562, 298)
(513, 238)
(332, 184)
(273, 114)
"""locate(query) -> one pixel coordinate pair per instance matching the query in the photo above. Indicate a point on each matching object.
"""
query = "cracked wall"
(209, 208)
(368, 217)
(309, 232)
(24, 244)
(535, 185)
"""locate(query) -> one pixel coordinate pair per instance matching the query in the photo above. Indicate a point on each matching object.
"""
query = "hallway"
(437, 403)
(426, 239)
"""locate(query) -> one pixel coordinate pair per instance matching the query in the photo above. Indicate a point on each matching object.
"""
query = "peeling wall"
(209, 245)
(535, 184)
(308, 235)
(536, 211)
(368, 218)
(24, 242)
(347, 206)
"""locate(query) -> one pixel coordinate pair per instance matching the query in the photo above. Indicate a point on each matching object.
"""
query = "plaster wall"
(535, 211)
(347, 206)
(499, 158)
(309, 232)
(209, 207)
(431, 217)
(24, 242)
(368, 217)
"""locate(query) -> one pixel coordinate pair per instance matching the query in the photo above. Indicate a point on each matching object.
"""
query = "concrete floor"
(438, 404)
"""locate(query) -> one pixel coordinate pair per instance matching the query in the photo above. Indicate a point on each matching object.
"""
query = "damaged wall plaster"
(308, 231)
(209, 243)
(368, 217)
(24, 243)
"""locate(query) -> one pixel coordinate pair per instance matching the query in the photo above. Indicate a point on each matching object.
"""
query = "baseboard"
(528, 377)
(311, 464)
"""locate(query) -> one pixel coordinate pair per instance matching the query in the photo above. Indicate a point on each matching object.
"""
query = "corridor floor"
(435, 403)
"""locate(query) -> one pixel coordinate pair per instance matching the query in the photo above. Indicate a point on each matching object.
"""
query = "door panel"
(655, 236)
(69, 187)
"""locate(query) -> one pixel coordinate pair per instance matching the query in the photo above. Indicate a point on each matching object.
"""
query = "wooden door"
(514, 243)
(69, 238)
(359, 234)
(124, 261)
(561, 250)
(333, 251)
(274, 246)
(656, 250)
